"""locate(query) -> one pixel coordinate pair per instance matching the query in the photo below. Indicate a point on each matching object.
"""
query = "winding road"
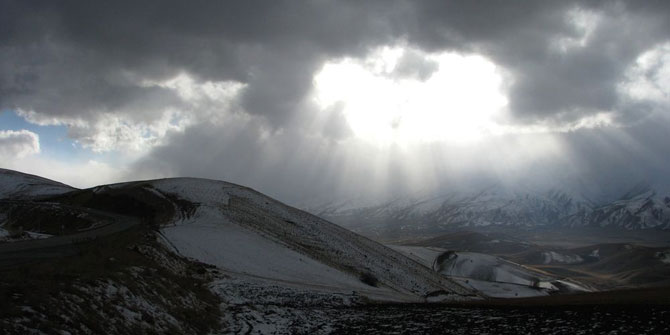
(21, 252)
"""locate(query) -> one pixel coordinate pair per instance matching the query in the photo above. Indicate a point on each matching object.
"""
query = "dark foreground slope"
(124, 283)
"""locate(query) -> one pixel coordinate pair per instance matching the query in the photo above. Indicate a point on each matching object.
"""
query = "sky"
(332, 99)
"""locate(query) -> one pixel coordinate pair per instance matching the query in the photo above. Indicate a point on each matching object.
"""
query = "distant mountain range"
(640, 208)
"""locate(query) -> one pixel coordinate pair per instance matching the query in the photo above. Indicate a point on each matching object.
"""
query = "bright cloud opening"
(458, 102)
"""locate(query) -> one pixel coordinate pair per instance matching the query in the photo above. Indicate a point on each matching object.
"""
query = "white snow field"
(663, 256)
(237, 249)
(490, 275)
(249, 235)
(486, 267)
(502, 290)
(553, 257)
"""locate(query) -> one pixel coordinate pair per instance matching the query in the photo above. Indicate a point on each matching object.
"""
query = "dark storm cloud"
(285, 166)
(522, 37)
(71, 57)
(80, 59)
(612, 161)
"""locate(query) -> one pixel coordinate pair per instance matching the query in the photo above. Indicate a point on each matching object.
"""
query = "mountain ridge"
(639, 208)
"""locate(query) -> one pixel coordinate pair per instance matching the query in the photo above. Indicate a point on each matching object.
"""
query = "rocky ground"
(249, 307)
(435, 319)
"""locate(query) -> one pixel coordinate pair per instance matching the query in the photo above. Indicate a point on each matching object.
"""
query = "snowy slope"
(490, 275)
(497, 277)
(237, 249)
(485, 267)
(16, 184)
(244, 232)
(553, 257)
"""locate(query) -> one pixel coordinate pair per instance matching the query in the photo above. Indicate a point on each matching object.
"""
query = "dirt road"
(20, 252)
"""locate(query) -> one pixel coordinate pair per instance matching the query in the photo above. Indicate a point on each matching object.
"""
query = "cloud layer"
(226, 90)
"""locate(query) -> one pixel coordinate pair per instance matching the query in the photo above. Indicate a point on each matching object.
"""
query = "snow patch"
(497, 277)
(552, 257)
(27, 235)
(486, 267)
(13, 184)
(201, 191)
(502, 290)
(595, 253)
(663, 256)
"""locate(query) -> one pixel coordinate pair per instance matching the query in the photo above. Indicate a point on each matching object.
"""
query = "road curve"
(20, 252)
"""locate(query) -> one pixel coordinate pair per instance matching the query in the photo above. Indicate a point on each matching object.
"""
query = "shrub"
(369, 279)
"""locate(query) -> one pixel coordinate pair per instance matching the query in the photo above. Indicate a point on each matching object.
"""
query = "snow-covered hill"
(15, 184)
(490, 275)
(249, 235)
(266, 262)
(239, 230)
(244, 232)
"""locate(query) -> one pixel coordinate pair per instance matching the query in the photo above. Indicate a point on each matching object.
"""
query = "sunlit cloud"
(648, 79)
(202, 99)
(462, 101)
(18, 144)
(132, 133)
(458, 102)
